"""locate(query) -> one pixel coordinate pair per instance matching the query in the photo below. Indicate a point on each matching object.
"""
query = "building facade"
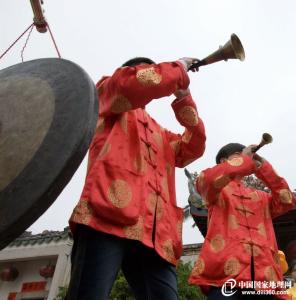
(33, 267)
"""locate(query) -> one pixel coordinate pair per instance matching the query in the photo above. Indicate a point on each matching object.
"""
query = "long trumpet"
(233, 49)
(266, 139)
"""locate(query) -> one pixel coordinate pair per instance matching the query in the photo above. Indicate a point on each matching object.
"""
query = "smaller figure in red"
(240, 247)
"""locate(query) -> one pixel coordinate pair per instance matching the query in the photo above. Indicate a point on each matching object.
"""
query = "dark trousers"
(97, 257)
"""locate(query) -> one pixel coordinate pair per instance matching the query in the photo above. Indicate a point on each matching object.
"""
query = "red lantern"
(47, 271)
(9, 274)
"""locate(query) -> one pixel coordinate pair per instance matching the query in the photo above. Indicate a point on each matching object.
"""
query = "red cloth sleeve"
(133, 87)
(191, 144)
(211, 181)
(281, 198)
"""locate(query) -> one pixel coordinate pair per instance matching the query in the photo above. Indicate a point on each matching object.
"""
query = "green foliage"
(121, 290)
(62, 293)
(186, 291)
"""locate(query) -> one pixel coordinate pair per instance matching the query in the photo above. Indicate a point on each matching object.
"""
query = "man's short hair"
(228, 150)
(138, 60)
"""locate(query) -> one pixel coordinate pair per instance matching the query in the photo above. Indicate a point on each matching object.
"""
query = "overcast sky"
(237, 101)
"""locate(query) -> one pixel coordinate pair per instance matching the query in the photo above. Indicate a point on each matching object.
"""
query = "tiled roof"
(191, 249)
(46, 237)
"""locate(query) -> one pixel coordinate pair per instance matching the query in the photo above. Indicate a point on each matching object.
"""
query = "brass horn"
(266, 139)
(233, 49)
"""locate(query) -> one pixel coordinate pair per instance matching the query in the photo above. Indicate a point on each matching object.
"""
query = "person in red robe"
(127, 216)
(240, 243)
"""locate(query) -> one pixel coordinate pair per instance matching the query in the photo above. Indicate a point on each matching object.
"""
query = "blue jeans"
(97, 257)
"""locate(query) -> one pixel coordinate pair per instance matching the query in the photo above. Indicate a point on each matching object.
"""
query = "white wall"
(28, 272)
(29, 259)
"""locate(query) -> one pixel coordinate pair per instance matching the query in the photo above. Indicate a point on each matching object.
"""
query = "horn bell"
(237, 47)
(233, 49)
(267, 138)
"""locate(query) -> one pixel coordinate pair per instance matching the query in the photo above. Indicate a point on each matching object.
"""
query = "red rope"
(22, 53)
(16, 40)
(55, 45)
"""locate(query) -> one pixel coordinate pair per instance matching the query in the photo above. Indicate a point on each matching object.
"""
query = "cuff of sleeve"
(177, 100)
(185, 78)
(264, 170)
(181, 102)
(186, 112)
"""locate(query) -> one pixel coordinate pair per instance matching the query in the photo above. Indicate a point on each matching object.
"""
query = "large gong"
(48, 111)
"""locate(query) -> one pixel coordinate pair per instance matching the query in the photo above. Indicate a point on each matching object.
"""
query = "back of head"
(137, 61)
(228, 150)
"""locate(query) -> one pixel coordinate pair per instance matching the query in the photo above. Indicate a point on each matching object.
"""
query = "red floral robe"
(130, 184)
(240, 223)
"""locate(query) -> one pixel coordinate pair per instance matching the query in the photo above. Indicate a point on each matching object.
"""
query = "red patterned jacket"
(240, 223)
(130, 184)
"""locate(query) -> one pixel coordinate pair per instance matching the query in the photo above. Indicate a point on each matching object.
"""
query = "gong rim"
(63, 148)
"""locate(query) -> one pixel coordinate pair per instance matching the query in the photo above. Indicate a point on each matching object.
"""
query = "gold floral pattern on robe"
(159, 209)
(217, 243)
(232, 222)
(158, 138)
(140, 164)
(235, 161)
(168, 251)
(270, 274)
(135, 232)
(120, 104)
(285, 196)
(221, 181)
(252, 249)
(179, 229)
(175, 146)
(119, 193)
(148, 77)
(123, 123)
(83, 212)
(261, 229)
(199, 267)
(232, 266)
(100, 125)
(254, 196)
(105, 149)
(155, 205)
(188, 115)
